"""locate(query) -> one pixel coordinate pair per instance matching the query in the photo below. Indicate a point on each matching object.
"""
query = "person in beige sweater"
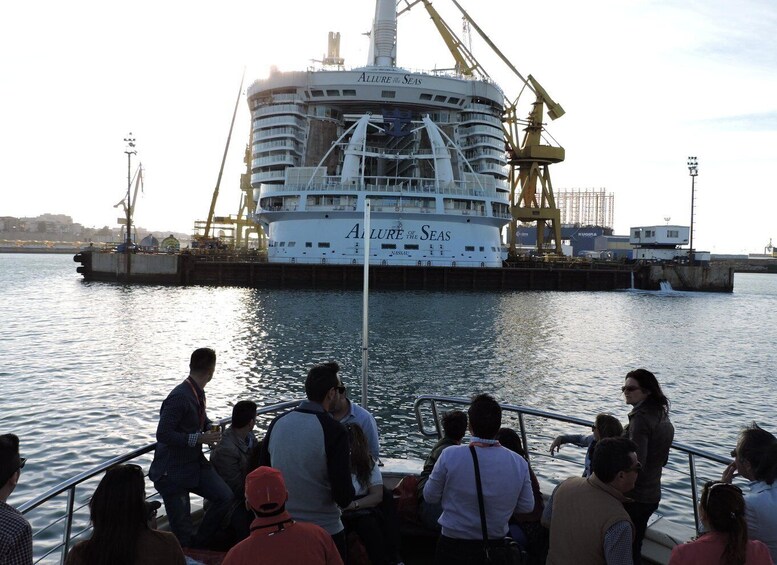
(587, 521)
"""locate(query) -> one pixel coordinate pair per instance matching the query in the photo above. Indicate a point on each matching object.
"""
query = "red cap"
(265, 490)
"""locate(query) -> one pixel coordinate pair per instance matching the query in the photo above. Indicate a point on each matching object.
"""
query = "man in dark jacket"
(179, 466)
(310, 448)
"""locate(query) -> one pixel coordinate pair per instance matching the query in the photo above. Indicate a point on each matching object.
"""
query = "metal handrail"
(69, 487)
(692, 452)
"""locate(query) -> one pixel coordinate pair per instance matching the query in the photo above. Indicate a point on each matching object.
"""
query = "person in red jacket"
(276, 539)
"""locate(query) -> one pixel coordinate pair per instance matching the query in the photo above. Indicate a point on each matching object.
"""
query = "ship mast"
(130, 151)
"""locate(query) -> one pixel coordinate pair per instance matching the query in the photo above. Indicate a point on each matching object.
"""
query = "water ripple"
(86, 365)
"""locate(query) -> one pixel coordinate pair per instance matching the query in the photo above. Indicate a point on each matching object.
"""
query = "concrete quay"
(245, 270)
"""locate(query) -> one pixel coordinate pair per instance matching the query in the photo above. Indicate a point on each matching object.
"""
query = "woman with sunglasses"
(649, 427)
(120, 531)
(722, 511)
(755, 458)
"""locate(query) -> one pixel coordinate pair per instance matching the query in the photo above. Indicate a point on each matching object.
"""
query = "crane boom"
(466, 63)
(531, 191)
(223, 160)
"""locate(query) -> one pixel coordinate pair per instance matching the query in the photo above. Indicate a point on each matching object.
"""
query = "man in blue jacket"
(311, 449)
(179, 466)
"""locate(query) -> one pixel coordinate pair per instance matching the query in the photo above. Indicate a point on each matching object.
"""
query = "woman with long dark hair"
(363, 515)
(722, 510)
(525, 527)
(755, 458)
(120, 534)
(649, 427)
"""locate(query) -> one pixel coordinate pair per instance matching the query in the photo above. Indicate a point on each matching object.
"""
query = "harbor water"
(85, 366)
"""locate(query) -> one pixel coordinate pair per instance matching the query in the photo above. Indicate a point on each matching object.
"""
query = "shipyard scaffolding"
(235, 232)
(586, 207)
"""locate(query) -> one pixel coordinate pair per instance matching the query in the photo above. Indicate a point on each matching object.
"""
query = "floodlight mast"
(693, 169)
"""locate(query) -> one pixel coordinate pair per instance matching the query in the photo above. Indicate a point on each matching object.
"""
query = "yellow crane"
(531, 190)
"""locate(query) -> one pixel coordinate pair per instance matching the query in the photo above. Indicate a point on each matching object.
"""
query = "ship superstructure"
(426, 149)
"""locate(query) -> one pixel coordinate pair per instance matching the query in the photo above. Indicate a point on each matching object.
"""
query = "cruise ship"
(425, 149)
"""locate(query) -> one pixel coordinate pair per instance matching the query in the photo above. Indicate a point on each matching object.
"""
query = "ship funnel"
(333, 50)
(383, 39)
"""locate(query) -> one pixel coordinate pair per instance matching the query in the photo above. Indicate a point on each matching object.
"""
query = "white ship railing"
(278, 144)
(73, 513)
(386, 184)
(693, 466)
(286, 132)
(537, 428)
(280, 109)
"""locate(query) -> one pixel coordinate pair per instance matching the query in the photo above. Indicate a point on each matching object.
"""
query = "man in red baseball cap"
(275, 537)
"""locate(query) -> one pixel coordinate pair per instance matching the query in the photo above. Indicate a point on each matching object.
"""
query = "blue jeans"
(178, 507)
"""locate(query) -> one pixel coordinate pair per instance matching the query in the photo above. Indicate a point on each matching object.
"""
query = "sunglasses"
(711, 485)
(22, 461)
(629, 388)
(340, 389)
(637, 467)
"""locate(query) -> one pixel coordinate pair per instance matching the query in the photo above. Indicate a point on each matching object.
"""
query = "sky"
(645, 84)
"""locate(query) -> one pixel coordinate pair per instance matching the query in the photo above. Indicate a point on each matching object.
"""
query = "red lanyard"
(200, 403)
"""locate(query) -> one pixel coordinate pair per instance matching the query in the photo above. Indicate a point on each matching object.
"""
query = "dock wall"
(274, 275)
(187, 269)
(711, 277)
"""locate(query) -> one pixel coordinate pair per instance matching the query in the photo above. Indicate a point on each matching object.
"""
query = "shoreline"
(40, 250)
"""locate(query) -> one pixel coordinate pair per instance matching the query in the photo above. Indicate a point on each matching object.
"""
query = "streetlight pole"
(693, 169)
(130, 151)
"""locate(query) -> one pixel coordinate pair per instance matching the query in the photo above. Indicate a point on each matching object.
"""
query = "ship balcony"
(486, 153)
(278, 208)
(398, 185)
(277, 145)
(268, 176)
(260, 101)
(279, 109)
(402, 208)
(462, 212)
(275, 121)
(482, 130)
(480, 108)
(330, 207)
(288, 97)
(482, 119)
(276, 133)
(489, 168)
(483, 142)
(287, 159)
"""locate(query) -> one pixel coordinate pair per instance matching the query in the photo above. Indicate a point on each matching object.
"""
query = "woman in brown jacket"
(649, 427)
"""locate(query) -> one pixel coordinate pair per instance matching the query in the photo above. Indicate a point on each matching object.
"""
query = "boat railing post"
(523, 435)
(694, 491)
(436, 418)
(71, 496)
(366, 302)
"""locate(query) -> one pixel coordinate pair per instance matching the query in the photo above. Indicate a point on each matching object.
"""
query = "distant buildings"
(62, 228)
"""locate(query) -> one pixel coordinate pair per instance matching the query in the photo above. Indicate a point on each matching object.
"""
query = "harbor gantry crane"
(529, 158)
